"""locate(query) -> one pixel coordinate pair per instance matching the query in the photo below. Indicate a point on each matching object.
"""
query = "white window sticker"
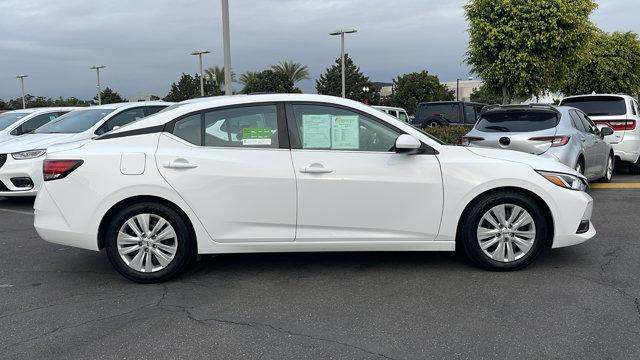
(345, 132)
(316, 131)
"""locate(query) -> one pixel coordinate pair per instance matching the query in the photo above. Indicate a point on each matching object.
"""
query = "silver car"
(561, 133)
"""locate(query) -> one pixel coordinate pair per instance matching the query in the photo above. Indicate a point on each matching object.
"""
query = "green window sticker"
(256, 136)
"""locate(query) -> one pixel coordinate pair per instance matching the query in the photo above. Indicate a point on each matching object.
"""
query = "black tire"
(581, 165)
(608, 176)
(186, 244)
(634, 168)
(467, 234)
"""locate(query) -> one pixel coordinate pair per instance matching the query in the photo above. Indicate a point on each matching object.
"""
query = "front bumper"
(571, 232)
(20, 169)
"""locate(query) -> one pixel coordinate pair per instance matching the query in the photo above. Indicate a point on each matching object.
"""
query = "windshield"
(74, 122)
(598, 105)
(9, 119)
(517, 121)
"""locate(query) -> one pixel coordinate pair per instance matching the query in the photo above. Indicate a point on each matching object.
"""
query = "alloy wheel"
(610, 165)
(147, 243)
(506, 233)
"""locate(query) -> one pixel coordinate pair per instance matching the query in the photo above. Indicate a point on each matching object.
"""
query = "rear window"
(450, 112)
(517, 121)
(598, 105)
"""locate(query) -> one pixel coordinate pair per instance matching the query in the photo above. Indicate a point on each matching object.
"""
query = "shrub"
(450, 135)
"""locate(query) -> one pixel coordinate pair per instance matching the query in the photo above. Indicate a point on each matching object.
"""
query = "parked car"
(396, 112)
(560, 133)
(21, 158)
(296, 172)
(446, 113)
(19, 122)
(621, 113)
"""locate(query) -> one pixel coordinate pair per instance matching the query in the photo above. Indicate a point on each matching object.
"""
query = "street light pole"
(199, 54)
(457, 89)
(226, 40)
(342, 52)
(21, 77)
(97, 69)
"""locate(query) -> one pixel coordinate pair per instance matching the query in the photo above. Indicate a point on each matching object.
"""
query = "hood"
(36, 141)
(536, 162)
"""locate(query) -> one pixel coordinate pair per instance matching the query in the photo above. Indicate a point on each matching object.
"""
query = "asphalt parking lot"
(578, 302)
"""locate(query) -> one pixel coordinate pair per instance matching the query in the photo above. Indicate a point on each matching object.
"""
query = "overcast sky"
(146, 43)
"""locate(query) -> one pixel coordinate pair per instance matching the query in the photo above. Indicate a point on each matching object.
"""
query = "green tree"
(3, 105)
(268, 81)
(215, 76)
(108, 96)
(188, 87)
(416, 87)
(356, 83)
(294, 71)
(527, 47)
(612, 67)
(486, 95)
(248, 77)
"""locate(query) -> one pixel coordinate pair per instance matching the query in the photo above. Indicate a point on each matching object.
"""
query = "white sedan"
(298, 173)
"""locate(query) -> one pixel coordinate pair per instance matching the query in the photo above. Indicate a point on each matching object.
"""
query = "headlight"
(30, 154)
(566, 181)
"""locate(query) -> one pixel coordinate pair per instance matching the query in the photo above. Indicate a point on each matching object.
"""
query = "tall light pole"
(199, 54)
(21, 77)
(97, 69)
(226, 40)
(458, 89)
(341, 33)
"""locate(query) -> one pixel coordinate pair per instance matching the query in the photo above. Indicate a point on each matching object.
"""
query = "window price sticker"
(256, 136)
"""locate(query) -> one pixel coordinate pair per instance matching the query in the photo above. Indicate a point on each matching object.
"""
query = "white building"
(467, 87)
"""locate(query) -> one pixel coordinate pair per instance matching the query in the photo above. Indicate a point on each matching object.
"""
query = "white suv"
(619, 112)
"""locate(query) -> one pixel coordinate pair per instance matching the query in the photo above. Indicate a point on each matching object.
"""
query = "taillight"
(467, 140)
(57, 169)
(554, 140)
(618, 125)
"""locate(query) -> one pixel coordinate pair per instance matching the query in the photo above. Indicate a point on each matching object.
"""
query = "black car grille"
(3, 159)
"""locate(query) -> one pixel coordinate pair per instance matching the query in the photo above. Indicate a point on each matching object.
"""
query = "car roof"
(42, 109)
(625, 96)
(121, 105)
(449, 102)
(388, 108)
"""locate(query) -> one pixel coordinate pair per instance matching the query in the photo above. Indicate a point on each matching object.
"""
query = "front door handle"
(315, 169)
(180, 164)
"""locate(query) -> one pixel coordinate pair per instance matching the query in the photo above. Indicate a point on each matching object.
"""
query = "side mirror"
(407, 144)
(606, 131)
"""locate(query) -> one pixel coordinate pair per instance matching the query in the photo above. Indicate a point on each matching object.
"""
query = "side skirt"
(266, 247)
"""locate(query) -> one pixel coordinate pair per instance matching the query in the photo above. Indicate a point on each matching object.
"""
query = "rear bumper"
(52, 226)
(628, 149)
(12, 169)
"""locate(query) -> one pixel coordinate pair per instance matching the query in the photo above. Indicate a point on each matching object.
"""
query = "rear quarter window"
(598, 105)
(517, 121)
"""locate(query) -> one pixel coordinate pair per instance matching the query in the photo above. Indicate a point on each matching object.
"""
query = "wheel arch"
(545, 207)
(135, 200)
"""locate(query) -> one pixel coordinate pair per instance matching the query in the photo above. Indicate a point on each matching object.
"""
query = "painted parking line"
(616, 186)
(17, 212)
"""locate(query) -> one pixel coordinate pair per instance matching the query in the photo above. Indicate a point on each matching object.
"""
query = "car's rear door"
(233, 167)
(596, 148)
(353, 186)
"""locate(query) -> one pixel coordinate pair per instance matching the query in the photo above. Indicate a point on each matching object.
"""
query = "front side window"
(241, 127)
(403, 116)
(121, 119)
(9, 119)
(322, 127)
(31, 125)
(75, 122)
(588, 124)
(517, 121)
(393, 113)
(577, 122)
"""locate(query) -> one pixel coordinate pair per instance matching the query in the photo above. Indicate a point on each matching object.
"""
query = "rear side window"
(598, 105)
(577, 121)
(517, 121)
(469, 114)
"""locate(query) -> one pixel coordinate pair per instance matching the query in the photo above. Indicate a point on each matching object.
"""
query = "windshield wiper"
(498, 128)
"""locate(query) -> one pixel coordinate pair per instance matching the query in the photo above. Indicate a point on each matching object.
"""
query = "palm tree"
(216, 76)
(295, 71)
(248, 76)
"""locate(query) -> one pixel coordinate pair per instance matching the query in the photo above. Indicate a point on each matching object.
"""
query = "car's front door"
(233, 167)
(353, 186)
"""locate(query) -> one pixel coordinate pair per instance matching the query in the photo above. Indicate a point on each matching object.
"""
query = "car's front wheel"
(503, 231)
(149, 243)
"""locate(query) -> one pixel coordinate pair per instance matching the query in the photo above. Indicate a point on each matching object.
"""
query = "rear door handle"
(315, 169)
(180, 164)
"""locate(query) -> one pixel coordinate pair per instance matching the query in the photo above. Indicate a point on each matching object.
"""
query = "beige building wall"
(466, 88)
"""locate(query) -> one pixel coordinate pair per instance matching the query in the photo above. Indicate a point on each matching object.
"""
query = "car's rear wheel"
(503, 231)
(634, 168)
(149, 243)
(580, 166)
(608, 173)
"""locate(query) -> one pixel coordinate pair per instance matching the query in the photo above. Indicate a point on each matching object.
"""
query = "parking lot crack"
(613, 255)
